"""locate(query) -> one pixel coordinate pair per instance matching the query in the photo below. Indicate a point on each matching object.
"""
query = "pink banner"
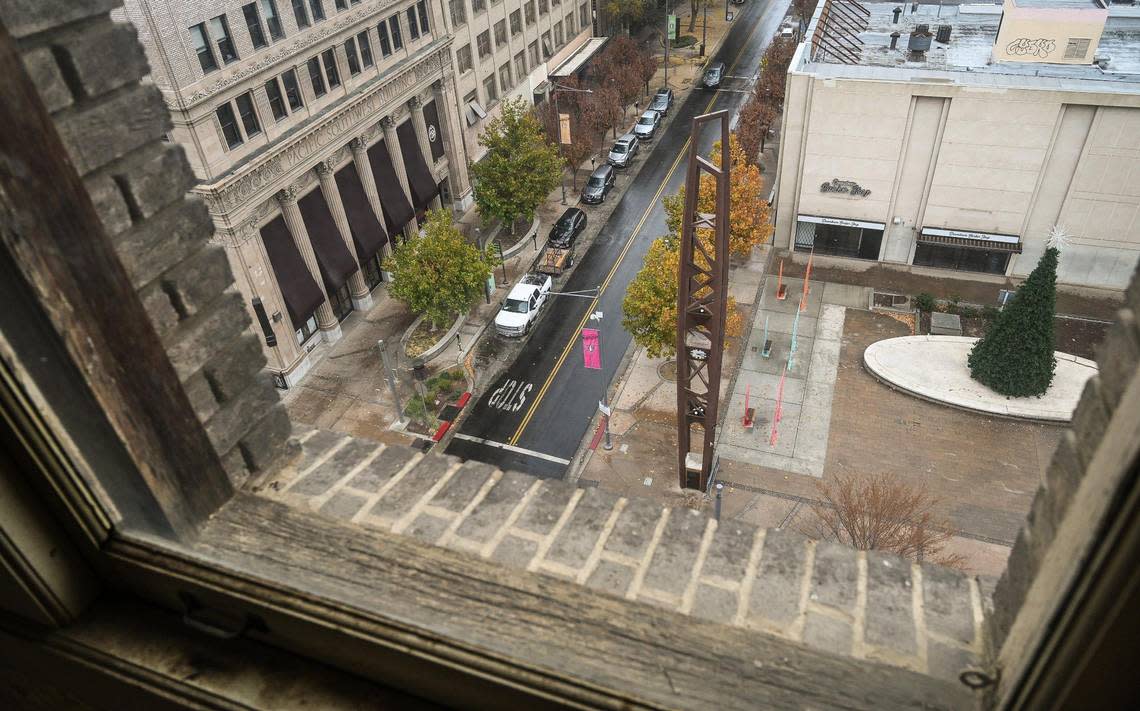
(591, 349)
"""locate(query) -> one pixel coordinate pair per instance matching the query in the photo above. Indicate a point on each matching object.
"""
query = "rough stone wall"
(88, 70)
(1118, 359)
(864, 605)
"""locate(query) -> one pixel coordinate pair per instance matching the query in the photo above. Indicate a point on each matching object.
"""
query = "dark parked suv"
(568, 227)
(599, 185)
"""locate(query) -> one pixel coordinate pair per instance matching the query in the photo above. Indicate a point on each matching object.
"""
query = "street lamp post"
(558, 117)
(705, 28)
(597, 316)
(667, 24)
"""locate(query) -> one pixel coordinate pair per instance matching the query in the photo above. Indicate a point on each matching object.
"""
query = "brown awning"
(367, 233)
(431, 118)
(987, 245)
(333, 258)
(301, 293)
(397, 210)
(423, 185)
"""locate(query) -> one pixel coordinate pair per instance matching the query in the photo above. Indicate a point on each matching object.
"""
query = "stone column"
(420, 126)
(364, 170)
(393, 142)
(357, 288)
(326, 319)
(461, 195)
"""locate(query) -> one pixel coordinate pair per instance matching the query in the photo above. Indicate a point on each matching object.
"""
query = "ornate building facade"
(320, 131)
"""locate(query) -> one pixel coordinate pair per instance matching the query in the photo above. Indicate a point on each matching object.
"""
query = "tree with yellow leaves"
(650, 304)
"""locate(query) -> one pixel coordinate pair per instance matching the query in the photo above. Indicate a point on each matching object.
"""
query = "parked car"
(599, 184)
(713, 76)
(786, 30)
(623, 151)
(662, 101)
(647, 125)
(567, 228)
(523, 305)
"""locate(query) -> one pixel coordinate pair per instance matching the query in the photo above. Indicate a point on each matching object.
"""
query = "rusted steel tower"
(701, 308)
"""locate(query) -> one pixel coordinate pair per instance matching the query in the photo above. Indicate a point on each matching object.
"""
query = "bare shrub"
(879, 512)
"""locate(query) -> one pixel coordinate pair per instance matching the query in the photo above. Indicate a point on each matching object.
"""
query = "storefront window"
(964, 259)
(307, 329)
(341, 302)
(839, 238)
(373, 274)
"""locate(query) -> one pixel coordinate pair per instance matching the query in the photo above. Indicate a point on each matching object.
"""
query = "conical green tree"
(1015, 357)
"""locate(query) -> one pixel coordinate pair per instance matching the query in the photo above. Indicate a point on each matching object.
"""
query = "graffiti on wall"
(1026, 47)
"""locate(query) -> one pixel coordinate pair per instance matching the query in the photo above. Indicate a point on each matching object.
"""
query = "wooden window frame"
(91, 402)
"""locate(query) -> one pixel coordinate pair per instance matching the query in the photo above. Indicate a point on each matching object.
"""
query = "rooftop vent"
(1102, 60)
(919, 42)
(944, 34)
(895, 40)
(897, 11)
(922, 29)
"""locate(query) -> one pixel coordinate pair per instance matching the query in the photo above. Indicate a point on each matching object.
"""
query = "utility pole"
(668, 26)
(597, 316)
(705, 27)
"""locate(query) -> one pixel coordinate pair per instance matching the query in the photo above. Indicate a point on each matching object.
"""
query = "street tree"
(649, 309)
(882, 513)
(617, 69)
(581, 145)
(645, 67)
(439, 274)
(749, 219)
(1016, 356)
(520, 167)
(756, 117)
(804, 9)
(625, 12)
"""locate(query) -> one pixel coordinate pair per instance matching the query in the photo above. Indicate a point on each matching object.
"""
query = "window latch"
(214, 622)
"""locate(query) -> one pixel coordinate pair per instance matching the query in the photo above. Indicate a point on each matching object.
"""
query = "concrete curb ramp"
(934, 368)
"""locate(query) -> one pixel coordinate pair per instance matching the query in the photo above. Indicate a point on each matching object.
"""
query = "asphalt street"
(534, 417)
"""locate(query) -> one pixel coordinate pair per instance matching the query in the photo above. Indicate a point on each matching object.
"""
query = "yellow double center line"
(617, 262)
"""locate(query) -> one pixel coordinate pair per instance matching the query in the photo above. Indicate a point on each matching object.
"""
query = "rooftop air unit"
(944, 34)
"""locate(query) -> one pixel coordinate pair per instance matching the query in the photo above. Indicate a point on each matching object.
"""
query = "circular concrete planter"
(934, 368)
(523, 241)
(436, 348)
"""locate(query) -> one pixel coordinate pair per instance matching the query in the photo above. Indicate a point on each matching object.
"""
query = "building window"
(315, 76)
(520, 65)
(543, 7)
(458, 12)
(365, 49)
(318, 10)
(463, 58)
(202, 47)
(533, 49)
(385, 43)
(1076, 48)
(301, 14)
(505, 78)
(584, 15)
(220, 32)
(483, 41)
(350, 54)
(528, 9)
(272, 19)
(328, 59)
(859, 242)
(421, 8)
(500, 33)
(569, 23)
(516, 22)
(253, 24)
(555, 3)
(342, 4)
(478, 6)
(546, 50)
(394, 25)
(306, 331)
(230, 130)
(413, 28)
(474, 110)
(276, 99)
(963, 259)
(292, 90)
(490, 89)
(559, 40)
(248, 114)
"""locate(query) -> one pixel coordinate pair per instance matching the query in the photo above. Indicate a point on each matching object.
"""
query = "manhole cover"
(668, 371)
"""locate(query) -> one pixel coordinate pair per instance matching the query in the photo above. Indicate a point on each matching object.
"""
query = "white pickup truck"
(523, 305)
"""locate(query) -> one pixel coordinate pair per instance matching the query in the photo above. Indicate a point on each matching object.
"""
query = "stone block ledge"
(860, 604)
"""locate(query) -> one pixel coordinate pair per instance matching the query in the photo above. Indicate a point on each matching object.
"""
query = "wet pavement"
(533, 418)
